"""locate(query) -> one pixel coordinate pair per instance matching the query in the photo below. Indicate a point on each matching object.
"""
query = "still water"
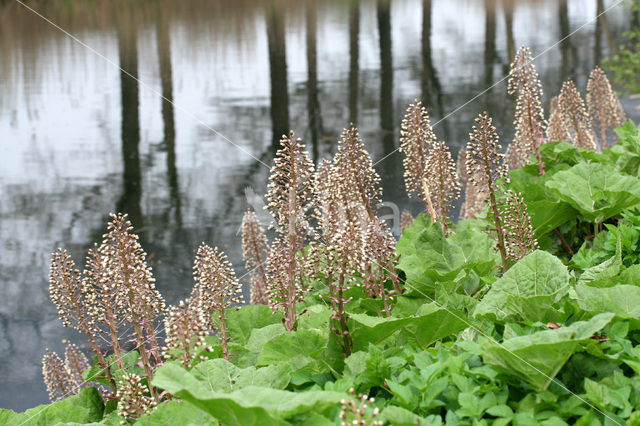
(79, 138)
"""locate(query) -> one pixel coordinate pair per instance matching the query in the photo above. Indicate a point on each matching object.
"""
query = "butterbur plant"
(485, 166)
(441, 181)
(524, 83)
(345, 258)
(284, 271)
(125, 268)
(290, 193)
(216, 289)
(575, 118)
(519, 235)
(417, 139)
(605, 110)
(255, 251)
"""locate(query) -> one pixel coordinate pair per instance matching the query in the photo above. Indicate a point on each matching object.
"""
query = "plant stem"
(427, 200)
(563, 242)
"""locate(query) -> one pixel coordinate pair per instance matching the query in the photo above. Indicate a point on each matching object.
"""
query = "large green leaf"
(527, 290)
(248, 406)
(242, 321)
(86, 407)
(177, 412)
(597, 191)
(427, 256)
(622, 299)
(298, 348)
(221, 375)
(431, 323)
(538, 357)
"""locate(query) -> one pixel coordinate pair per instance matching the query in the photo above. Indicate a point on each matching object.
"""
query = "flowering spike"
(59, 382)
(101, 300)
(284, 271)
(380, 263)
(126, 269)
(75, 363)
(406, 219)
(133, 401)
(345, 258)
(254, 252)
(442, 181)
(417, 139)
(327, 196)
(474, 199)
(518, 232)
(557, 130)
(605, 109)
(529, 119)
(216, 289)
(74, 297)
(355, 177)
(575, 117)
(485, 165)
(290, 192)
(290, 187)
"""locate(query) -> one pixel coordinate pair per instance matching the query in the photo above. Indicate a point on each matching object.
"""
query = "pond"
(185, 151)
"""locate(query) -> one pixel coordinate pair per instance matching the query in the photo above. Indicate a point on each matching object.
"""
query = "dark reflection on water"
(80, 138)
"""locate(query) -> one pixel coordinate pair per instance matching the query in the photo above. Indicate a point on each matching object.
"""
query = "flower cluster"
(216, 289)
(529, 118)
(485, 166)
(133, 400)
(442, 181)
(605, 110)
(186, 327)
(518, 232)
(254, 252)
(358, 411)
(575, 119)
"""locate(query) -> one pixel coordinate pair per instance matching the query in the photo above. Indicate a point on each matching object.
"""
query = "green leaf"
(398, 416)
(629, 136)
(426, 256)
(298, 348)
(248, 406)
(527, 290)
(176, 412)
(85, 407)
(221, 375)
(623, 299)
(597, 191)
(434, 323)
(431, 323)
(242, 321)
(538, 357)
